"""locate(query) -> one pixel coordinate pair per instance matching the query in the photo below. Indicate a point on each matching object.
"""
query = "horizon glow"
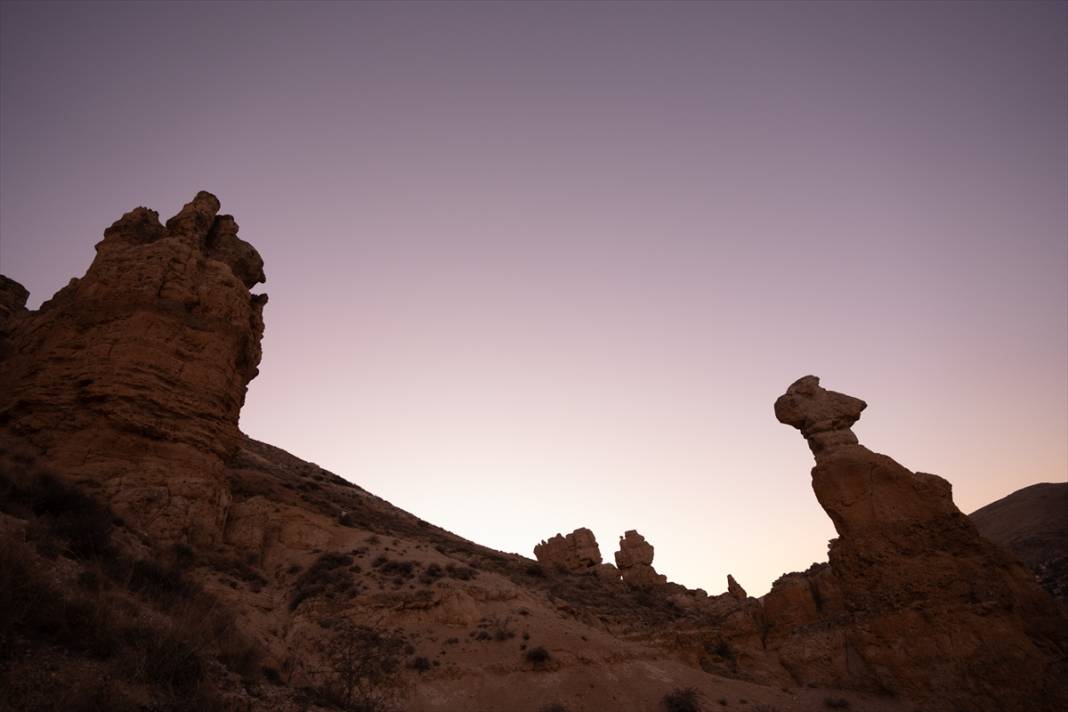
(534, 267)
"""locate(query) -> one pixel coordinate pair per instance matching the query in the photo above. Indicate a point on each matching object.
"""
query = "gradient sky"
(541, 266)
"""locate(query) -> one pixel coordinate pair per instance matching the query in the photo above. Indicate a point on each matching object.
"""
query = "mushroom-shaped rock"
(576, 553)
(914, 567)
(823, 417)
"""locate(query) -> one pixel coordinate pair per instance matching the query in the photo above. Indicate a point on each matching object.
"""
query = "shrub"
(502, 630)
(31, 608)
(163, 583)
(326, 574)
(363, 669)
(683, 699)
(397, 569)
(419, 664)
(165, 659)
(463, 573)
(836, 703)
(431, 574)
(554, 707)
(538, 656)
(723, 650)
(79, 520)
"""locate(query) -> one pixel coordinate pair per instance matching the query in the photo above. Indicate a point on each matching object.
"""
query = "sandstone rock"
(135, 374)
(735, 590)
(823, 417)
(635, 561)
(13, 297)
(908, 566)
(575, 553)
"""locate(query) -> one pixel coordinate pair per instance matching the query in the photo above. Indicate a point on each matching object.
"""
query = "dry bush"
(538, 657)
(178, 628)
(683, 699)
(363, 669)
(327, 574)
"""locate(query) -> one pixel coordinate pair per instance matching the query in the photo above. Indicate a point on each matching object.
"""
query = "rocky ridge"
(1032, 523)
(128, 384)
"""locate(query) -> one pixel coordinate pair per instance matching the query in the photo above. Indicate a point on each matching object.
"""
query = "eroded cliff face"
(133, 376)
(914, 601)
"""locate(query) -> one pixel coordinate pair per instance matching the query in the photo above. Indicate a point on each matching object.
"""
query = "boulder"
(635, 561)
(575, 553)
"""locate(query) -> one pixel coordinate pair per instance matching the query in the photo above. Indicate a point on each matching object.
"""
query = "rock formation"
(575, 553)
(914, 602)
(141, 366)
(635, 561)
(735, 589)
(119, 403)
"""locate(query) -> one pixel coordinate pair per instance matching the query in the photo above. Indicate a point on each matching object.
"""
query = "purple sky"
(541, 266)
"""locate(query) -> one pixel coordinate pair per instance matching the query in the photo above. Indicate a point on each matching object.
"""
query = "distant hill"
(1033, 524)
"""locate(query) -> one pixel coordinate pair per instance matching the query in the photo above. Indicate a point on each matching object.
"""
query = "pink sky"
(541, 266)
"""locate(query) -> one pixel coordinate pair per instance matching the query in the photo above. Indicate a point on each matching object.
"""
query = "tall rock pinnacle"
(904, 547)
(142, 363)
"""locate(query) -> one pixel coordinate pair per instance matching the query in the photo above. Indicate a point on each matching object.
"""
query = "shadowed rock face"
(927, 607)
(142, 364)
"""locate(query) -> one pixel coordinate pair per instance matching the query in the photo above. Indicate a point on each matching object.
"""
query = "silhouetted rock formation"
(929, 609)
(576, 553)
(129, 382)
(735, 590)
(141, 366)
(635, 561)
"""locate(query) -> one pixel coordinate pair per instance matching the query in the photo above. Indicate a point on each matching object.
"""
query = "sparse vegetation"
(419, 664)
(329, 574)
(723, 649)
(363, 669)
(683, 699)
(142, 623)
(538, 657)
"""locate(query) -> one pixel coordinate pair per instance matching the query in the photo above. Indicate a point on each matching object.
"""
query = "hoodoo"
(915, 602)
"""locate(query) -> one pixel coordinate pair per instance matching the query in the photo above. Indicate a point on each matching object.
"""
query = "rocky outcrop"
(635, 561)
(735, 590)
(575, 553)
(134, 375)
(914, 602)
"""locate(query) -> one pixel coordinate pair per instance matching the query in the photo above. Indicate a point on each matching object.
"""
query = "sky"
(534, 267)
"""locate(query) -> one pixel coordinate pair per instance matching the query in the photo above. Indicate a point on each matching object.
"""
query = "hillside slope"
(1032, 523)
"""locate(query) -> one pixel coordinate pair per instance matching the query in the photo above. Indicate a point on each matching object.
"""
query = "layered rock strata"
(635, 561)
(134, 375)
(914, 602)
(575, 553)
